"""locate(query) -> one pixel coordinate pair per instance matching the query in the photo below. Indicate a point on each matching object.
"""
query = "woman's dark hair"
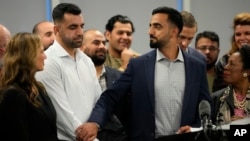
(245, 55)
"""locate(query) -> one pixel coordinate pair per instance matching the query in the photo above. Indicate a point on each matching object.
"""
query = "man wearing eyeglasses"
(207, 42)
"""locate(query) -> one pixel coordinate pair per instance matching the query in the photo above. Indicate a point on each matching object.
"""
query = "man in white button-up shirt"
(69, 75)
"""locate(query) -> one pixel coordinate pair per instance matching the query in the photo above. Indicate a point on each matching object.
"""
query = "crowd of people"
(65, 82)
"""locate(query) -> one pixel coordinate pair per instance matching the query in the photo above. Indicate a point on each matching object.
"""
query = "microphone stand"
(207, 129)
(214, 133)
(221, 133)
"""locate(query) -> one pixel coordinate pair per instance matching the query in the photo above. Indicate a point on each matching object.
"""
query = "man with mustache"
(119, 31)
(208, 42)
(94, 46)
(164, 86)
(69, 75)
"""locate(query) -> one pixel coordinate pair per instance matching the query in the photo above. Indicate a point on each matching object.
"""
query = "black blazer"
(113, 129)
(111, 75)
(21, 121)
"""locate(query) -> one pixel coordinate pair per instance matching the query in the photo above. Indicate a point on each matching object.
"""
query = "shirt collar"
(62, 52)
(160, 56)
(103, 72)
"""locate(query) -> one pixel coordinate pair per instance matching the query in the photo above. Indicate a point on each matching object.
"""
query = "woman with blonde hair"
(241, 36)
(26, 112)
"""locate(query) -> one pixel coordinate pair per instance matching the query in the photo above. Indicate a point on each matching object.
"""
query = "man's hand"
(87, 131)
(184, 129)
(126, 55)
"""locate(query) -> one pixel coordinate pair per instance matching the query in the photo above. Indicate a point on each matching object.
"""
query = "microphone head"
(204, 109)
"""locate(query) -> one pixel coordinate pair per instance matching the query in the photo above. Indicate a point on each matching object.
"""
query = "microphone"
(206, 122)
(204, 110)
(211, 133)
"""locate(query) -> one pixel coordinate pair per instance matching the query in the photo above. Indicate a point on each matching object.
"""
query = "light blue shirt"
(169, 92)
(73, 87)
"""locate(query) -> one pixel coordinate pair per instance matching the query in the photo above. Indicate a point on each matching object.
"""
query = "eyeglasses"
(210, 48)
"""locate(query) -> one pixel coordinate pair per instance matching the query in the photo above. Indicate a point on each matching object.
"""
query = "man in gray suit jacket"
(164, 87)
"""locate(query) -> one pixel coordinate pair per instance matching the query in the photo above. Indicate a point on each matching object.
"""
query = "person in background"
(233, 102)
(241, 36)
(5, 36)
(26, 111)
(69, 74)
(94, 46)
(164, 87)
(187, 34)
(119, 31)
(208, 43)
(45, 30)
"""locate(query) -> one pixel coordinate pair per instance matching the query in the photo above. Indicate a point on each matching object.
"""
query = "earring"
(245, 74)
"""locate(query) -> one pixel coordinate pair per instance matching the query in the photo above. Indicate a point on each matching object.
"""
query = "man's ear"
(174, 30)
(107, 35)
(56, 29)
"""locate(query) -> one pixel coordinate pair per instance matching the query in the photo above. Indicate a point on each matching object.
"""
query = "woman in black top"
(26, 112)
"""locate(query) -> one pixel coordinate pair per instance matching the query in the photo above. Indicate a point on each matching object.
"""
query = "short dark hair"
(118, 18)
(173, 16)
(245, 56)
(62, 8)
(208, 34)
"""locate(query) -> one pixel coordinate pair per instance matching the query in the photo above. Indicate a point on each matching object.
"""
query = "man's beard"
(211, 65)
(155, 44)
(71, 43)
(97, 60)
(47, 46)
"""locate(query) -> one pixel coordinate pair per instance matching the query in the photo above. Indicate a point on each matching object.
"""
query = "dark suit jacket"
(138, 82)
(111, 75)
(113, 129)
(21, 121)
(197, 54)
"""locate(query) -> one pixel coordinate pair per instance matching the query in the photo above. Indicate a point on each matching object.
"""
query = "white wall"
(21, 15)
(215, 15)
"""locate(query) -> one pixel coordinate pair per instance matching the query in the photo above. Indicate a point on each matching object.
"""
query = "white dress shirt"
(72, 86)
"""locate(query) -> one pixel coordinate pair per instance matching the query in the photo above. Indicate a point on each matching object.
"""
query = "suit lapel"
(149, 64)
(109, 75)
(188, 74)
